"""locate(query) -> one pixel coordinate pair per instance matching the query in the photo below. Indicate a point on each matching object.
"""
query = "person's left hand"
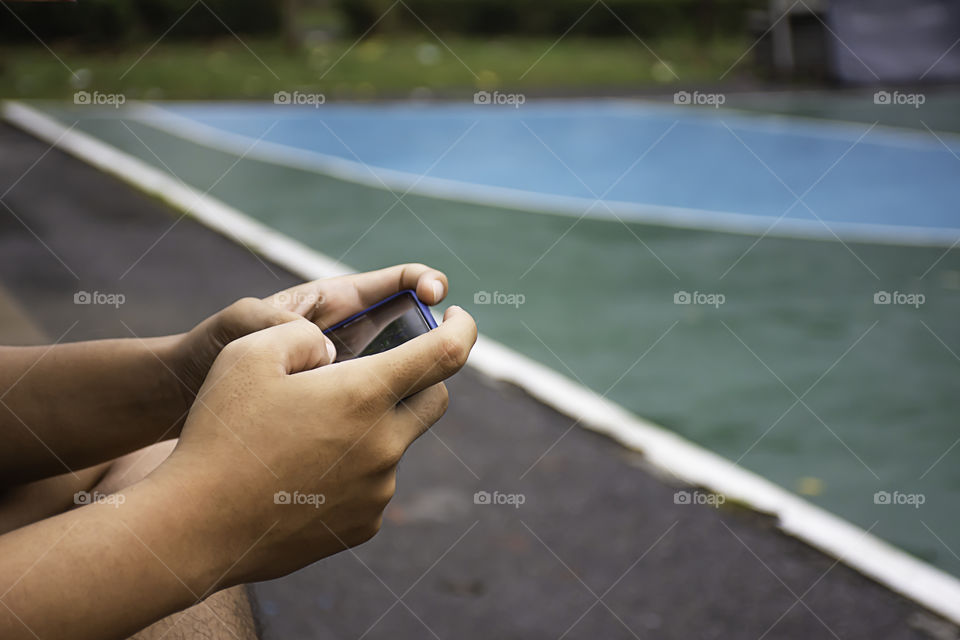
(323, 302)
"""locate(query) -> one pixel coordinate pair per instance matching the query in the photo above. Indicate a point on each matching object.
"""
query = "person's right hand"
(290, 458)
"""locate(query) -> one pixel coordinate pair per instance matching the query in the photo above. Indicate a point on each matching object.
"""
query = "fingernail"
(331, 349)
(437, 290)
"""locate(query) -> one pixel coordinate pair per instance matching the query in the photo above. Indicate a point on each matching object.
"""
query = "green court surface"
(938, 111)
(798, 376)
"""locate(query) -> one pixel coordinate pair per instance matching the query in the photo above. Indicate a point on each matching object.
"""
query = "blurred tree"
(290, 23)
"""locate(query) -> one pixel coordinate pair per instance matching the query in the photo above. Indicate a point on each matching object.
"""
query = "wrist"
(175, 386)
(186, 532)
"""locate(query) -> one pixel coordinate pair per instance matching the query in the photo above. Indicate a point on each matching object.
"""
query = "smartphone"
(385, 325)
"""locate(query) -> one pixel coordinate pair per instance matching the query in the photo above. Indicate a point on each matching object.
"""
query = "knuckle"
(390, 453)
(443, 399)
(361, 400)
(373, 527)
(233, 351)
(396, 451)
(367, 530)
(308, 329)
(435, 402)
(244, 307)
(382, 454)
(453, 354)
(231, 320)
(387, 491)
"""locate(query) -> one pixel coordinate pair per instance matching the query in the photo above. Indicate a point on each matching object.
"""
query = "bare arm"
(70, 406)
(106, 570)
(276, 418)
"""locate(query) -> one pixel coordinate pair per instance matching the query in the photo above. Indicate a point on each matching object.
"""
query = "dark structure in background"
(861, 42)
(902, 42)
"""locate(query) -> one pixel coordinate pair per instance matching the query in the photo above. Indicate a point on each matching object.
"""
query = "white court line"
(901, 572)
(509, 198)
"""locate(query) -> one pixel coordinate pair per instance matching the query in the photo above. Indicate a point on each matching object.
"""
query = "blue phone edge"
(424, 311)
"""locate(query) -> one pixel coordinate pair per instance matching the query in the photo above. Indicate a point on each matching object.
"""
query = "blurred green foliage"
(538, 17)
(99, 22)
(378, 67)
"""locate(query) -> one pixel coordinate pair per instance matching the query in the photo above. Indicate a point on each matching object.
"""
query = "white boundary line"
(918, 581)
(509, 198)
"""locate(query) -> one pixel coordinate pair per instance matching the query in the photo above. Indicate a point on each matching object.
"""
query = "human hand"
(271, 418)
(323, 302)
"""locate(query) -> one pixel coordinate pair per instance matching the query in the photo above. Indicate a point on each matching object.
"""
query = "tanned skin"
(255, 407)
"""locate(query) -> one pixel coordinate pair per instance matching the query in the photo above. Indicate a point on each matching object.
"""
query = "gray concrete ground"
(598, 549)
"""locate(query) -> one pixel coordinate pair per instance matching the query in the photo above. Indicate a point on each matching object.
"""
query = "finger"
(329, 301)
(289, 348)
(249, 315)
(372, 287)
(339, 298)
(421, 410)
(424, 361)
(303, 299)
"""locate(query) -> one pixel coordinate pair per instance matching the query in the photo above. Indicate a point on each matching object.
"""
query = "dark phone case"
(424, 311)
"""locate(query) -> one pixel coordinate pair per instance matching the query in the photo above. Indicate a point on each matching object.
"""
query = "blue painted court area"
(727, 163)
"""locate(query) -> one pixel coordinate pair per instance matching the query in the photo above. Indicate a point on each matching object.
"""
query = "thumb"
(249, 315)
(291, 347)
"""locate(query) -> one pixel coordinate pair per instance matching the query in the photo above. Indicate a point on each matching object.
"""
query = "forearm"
(73, 405)
(107, 570)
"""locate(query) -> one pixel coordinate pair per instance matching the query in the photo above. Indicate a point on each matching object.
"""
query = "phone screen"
(379, 328)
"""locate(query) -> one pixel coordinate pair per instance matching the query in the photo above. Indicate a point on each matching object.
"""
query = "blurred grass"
(373, 68)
